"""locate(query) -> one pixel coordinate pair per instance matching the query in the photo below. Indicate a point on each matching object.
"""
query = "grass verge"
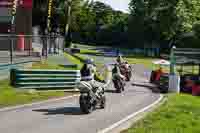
(147, 62)
(45, 65)
(9, 96)
(179, 114)
(88, 51)
(74, 60)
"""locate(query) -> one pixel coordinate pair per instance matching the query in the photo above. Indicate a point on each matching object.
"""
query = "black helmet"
(89, 61)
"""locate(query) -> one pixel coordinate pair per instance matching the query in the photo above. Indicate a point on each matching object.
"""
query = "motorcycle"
(119, 83)
(127, 72)
(91, 97)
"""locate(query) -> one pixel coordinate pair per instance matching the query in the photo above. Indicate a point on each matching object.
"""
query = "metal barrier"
(17, 48)
(44, 79)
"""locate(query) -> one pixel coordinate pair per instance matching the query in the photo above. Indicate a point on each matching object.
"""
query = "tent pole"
(199, 69)
(193, 69)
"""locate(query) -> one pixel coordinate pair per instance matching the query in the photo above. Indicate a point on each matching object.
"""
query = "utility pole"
(12, 31)
(49, 25)
(49, 15)
(68, 22)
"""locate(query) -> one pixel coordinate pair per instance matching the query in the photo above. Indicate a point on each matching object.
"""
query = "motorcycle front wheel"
(103, 102)
(85, 105)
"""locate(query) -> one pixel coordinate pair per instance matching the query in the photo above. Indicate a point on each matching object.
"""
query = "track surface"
(64, 116)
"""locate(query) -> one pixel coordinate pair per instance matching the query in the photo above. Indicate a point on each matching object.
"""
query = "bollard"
(174, 83)
(20, 43)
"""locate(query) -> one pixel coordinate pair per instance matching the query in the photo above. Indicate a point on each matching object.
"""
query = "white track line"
(106, 130)
(37, 103)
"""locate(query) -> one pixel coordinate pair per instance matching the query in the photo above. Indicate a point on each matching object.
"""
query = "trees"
(91, 21)
(99, 23)
(162, 19)
(196, 29)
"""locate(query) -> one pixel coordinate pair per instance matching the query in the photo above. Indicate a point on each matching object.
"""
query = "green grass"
(50, 64)
(10, 96)
(88, 51)
(45, 65)
(147, 62)
(179, 114)
(73, 60)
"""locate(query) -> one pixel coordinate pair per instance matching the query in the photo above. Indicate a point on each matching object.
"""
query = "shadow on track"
(110, 91)
(153, 88)
(61, 111)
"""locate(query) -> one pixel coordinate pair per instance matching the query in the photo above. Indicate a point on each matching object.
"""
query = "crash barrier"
(162, 83)
(187, 81)
(16, 48)
(44, 79)
(72, 66)
(72, 50)
(75, 50)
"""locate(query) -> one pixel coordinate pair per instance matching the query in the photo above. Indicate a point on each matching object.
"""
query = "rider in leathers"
(117, 73)
(120, 60)
(88, 74)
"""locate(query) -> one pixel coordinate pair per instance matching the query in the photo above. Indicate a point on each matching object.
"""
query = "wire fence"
(25, 48)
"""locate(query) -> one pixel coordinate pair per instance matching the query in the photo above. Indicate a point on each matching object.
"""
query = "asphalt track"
(64, 116)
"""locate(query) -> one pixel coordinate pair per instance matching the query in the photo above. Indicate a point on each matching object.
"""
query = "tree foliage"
(149, 21)
(162, 19)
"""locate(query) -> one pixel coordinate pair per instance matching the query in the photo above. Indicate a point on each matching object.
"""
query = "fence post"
(11, 48)
(172, 61)
(47, 37)
(174, 79)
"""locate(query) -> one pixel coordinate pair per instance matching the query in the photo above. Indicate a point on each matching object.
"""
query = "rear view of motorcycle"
(126, 70)
(91, 97)
(118, 82)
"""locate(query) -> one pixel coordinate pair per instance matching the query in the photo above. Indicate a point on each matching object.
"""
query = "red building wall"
(23, 21)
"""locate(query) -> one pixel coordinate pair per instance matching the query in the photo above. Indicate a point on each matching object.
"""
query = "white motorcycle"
(91, 97)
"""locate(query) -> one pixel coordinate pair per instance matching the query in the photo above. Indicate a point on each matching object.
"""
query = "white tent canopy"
(161, 62)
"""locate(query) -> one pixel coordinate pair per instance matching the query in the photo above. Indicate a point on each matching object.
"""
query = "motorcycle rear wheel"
(117, 85)
(85, 106)
(119, 88)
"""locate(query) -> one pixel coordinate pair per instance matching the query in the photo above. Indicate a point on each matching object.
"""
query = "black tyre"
(103, 102)
(123, 88)
(85, 106)
(119, 87)
(128, 78)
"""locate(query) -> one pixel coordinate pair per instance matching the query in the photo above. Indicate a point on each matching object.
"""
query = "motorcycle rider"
(120, 60)
(117, 73)
(88, 75)
(122, 64)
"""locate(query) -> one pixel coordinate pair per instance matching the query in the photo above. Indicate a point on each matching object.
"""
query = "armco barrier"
(44, 79)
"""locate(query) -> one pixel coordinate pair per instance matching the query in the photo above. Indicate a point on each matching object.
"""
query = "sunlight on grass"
(73, 60)
(147, 62)
(88, 51)
(9, 96)
(180, 114)
(45, 65)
